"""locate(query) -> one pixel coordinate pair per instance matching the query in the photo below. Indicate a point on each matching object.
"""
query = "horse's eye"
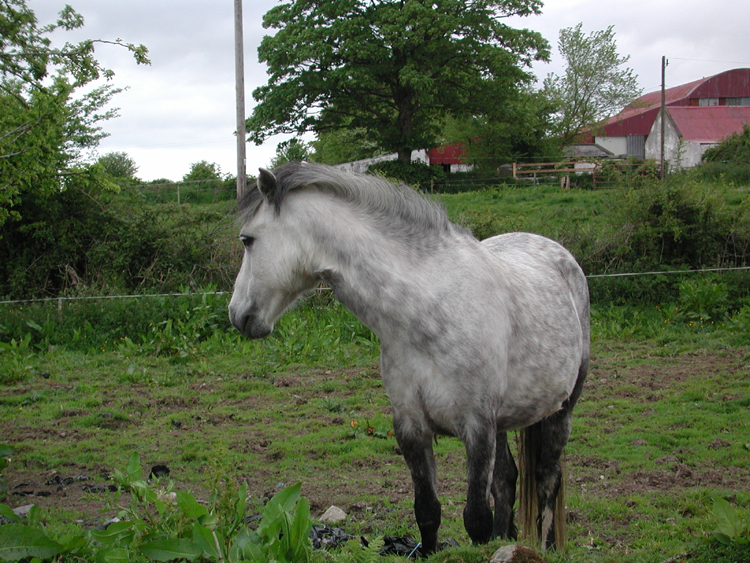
(247, 241)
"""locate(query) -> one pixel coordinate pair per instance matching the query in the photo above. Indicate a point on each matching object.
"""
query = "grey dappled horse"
(477, 338)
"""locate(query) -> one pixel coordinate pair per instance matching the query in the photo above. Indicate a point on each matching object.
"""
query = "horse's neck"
(380, 278)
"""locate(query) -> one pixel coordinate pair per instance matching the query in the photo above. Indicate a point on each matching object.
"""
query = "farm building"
(690, 130)
(699, 115)
(449, 157)
(629, 132)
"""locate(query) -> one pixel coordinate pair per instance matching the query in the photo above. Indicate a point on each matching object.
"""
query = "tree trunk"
(404, 155)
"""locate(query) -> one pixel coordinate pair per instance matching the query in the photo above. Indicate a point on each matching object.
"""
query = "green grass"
(662, 428)
(544, 210)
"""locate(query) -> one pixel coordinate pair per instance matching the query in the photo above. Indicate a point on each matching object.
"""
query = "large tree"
(518, 128)
(345, 144)
(51, 104)
(393, 68)
(595, 85)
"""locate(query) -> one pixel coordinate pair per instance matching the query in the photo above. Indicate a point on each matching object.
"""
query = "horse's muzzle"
(249, 323)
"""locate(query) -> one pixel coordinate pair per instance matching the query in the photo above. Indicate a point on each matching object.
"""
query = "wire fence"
(60, 300)
(185, 192)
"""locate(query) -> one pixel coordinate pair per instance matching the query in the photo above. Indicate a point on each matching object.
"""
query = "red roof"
(637, 118)
(709, 124)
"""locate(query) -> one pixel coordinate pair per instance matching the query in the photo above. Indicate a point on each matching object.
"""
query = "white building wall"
(671, 143)
(694, 153)
(360, 166)
(678, 154)
(616, 145)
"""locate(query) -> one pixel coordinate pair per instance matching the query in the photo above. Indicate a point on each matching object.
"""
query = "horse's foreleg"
(480, 459)
(416, 448)
(504, 489)
(555, 431)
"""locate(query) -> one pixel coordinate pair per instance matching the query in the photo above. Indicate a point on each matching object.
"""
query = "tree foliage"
(51, 105)
(392, 68)
(203, 171)
(292, 150)
(594, 86)
(346, 144)
(733, 149)
(516, 129)
(119, 165)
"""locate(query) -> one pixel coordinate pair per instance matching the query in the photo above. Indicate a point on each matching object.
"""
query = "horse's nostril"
(249, 323)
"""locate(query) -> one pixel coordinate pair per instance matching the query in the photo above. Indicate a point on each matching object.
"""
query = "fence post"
(59, 309)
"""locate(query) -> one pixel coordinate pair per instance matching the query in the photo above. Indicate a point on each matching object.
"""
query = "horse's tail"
(536, 443)
(529, 447)
(552, 432)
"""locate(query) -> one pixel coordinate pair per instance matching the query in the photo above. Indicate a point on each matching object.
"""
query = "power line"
(710, 61)
(184, 144)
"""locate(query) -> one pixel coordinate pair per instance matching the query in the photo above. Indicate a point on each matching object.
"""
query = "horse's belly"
(532, 395)
(515, 381)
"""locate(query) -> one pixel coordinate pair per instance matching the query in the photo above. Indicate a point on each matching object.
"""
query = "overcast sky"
(181, 109)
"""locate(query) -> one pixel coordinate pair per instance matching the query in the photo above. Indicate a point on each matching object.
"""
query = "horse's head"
(273, 272)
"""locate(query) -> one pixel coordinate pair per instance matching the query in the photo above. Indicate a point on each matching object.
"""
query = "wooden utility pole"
(663, 113)
(239, 74)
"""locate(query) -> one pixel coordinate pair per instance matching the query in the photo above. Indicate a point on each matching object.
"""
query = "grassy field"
(663, 428)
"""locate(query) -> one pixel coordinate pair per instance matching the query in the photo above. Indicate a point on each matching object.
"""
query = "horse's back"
(551, 334)
(537, 250)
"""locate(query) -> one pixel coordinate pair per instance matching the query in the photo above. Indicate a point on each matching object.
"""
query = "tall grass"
(185, 328)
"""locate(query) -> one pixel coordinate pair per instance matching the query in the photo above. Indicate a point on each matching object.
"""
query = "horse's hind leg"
(504, 489)
(416, 448)
(480, 459)
(554, 433)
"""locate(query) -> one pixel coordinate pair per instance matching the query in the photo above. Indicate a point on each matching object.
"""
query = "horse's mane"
(395, 206)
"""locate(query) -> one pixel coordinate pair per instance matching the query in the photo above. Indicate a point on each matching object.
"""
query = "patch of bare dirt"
(384, 477)
(615, 379)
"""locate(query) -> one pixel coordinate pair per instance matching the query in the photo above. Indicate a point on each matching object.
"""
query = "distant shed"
(450, 157)
(690, 130)
(626, 133)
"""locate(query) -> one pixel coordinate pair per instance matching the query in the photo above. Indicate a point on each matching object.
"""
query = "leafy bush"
(733, 149)
(679, 223)
(704, 299)
(634, 173)
(184, 328)
(187, 326)
(737, 173)
(16, 360)
(69, 241)
(740, 321)
(417, 174)
(629, 290)
(93, 324)
(162, 525)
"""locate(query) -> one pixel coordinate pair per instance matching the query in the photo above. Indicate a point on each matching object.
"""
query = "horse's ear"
(268, 185)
